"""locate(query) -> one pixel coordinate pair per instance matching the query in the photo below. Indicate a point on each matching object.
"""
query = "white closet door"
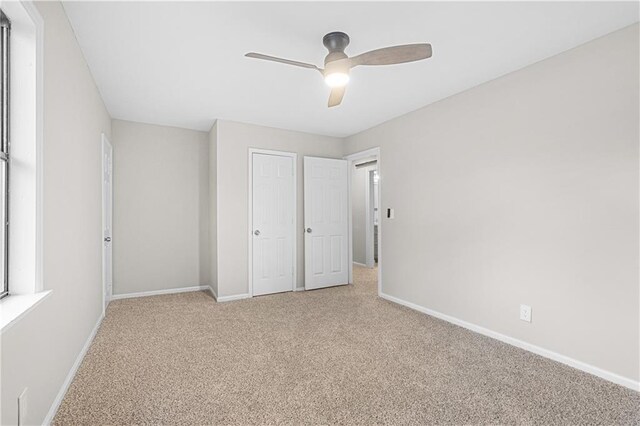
(107, 219)
(326, 222)
(273, 232)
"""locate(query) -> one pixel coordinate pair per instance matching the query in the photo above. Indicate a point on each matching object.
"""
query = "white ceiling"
(182, 64)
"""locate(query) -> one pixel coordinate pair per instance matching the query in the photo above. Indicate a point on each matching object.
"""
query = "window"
(21, 131)
(4, 153)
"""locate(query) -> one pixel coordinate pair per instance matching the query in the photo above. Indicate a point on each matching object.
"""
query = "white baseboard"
(231, 298)
(159, 292)
(72, 373)
(587, 368)
(299, 289)
(212, 291)
(360, 264)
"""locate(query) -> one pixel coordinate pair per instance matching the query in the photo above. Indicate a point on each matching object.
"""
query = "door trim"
(106, 300)
(370, 220)
(294, 206)
(353, 158)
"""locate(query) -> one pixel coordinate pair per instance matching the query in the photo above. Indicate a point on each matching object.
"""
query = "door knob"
(256, 232)
(309, 230)
(107, 239)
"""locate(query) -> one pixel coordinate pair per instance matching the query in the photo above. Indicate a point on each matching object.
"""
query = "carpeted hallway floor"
(332, 356)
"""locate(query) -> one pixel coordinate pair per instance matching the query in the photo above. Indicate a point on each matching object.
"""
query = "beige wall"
(524, 190)
(234, 140)
(161, 207)
(38, 352)
(213, 207)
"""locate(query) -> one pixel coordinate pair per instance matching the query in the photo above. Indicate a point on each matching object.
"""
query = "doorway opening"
(365, 220)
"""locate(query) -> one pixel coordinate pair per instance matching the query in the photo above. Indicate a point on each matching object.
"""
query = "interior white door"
(273, 233)
(107, 219)
(326, 222)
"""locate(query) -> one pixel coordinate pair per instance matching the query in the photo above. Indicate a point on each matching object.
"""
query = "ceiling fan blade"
(282, 61)
(393, 55)
(335, 98)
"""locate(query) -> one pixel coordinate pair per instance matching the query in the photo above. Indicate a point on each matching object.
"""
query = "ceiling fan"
(337, 64)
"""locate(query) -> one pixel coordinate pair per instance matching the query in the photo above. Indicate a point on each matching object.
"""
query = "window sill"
(16, 306)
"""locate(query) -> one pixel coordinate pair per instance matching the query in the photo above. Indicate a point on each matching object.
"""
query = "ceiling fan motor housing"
(335, 42)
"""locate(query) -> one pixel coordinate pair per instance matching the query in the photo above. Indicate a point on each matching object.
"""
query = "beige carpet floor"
(332, 356)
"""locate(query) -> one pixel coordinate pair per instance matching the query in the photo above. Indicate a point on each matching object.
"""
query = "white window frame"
(26, 287)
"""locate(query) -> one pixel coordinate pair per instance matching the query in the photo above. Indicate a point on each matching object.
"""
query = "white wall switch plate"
(525, 313)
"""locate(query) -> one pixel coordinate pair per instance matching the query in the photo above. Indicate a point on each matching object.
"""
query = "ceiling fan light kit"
(337, 65)
(336, 79)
